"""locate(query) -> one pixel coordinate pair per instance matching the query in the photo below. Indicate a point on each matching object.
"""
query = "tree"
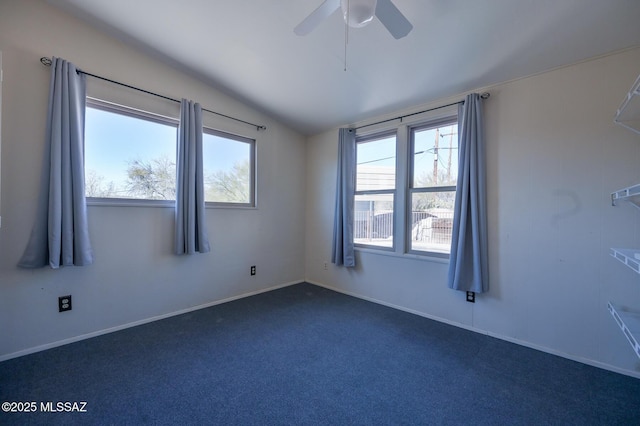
(154, 179)
(434, 200)
(231, 186)
(95, 186)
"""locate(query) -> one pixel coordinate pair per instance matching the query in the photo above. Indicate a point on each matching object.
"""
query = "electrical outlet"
(326, 265)
(471, 297)
(253, 270)
(64, 303)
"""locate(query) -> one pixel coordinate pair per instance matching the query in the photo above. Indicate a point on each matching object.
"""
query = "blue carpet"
(305, 355)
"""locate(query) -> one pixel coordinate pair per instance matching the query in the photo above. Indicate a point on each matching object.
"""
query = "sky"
(113, 140)
(381, 152)
(424, 152)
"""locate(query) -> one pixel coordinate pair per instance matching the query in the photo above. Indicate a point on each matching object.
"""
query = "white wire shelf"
(630, 194)
(630, 257)
(628, 115)
(629, 323)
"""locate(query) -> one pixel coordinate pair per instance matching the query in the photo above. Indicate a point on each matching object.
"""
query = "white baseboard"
(359, 296)
(140, 322)
(488, 333)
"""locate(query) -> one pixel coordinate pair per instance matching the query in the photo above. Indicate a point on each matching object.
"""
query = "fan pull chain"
(346, 38)
(346, 34)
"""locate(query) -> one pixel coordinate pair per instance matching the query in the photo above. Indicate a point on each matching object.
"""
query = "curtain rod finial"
(46, 61)
(485, 95)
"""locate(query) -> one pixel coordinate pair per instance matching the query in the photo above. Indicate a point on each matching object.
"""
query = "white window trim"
(131, 112)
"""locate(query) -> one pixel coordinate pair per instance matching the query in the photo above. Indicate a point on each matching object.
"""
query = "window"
(229, 164)
(433, 175)
(406, 186)
(375, 190)
(131, 154)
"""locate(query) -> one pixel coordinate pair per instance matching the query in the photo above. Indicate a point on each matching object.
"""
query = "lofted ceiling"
(248, 49)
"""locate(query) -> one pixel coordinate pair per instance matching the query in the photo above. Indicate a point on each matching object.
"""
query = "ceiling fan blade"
(393, 19)
(320, 14)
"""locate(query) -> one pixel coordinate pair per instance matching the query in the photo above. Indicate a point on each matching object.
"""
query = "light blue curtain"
(60, 235)
(191, 232)
(469, 264)
(342, 252)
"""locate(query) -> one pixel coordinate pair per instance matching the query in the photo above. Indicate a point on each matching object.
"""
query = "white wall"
(0, 138)
(135, 276)
(554, 157)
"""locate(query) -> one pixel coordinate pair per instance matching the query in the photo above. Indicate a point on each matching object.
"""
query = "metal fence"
(426, 227)
(370, 225)
(432, 228)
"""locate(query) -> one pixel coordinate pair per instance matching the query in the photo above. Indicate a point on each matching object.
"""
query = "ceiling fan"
(357, 14)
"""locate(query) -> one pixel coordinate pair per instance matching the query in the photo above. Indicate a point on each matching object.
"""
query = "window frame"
(394, 192)
(402, 210)
(252, 169)
(92, 102)
(412, 189)
(140, 115)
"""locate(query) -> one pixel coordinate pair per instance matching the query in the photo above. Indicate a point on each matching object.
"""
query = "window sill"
(412, 256)
(123, 202)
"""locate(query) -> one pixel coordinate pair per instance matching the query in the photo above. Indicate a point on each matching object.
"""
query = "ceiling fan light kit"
(358, 13)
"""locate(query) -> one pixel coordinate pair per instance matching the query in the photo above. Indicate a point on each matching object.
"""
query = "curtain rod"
(47, 62)
(485, 95)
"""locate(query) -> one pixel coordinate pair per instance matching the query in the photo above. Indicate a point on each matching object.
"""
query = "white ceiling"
(248, 49)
